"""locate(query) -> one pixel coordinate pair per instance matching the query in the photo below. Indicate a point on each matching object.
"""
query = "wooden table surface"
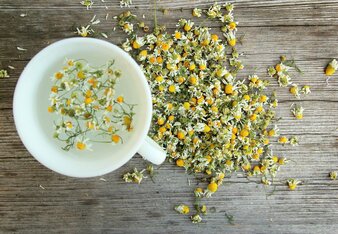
(34, 199)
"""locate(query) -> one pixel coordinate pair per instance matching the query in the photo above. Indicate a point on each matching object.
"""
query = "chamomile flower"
(283, 140)
(294, 141)
(68, 125)
(134, 177)
(197, 12)
(128, 28)
(231, 38)
(212, 188)
(214, 11)
(87, 3)
(138, 42)
(82, 144)
(229, 6)
(305, 89)
(199, 192)
(293, 183)
(294, 90)
(3, 73)
(188, 25)
(196, 218)
(297, 111)
(182, 209)
(265, 181)
(331, 68)
(333, 175)
(127, 46)
(84, 31)
(284, 80)
(125, 3)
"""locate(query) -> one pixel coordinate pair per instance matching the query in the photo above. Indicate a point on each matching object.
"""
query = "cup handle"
(152, 152)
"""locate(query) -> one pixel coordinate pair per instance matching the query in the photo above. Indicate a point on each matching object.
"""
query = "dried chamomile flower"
(305, 89)
(280, 72)
(196, 218)
(87, 3)
(125, 3)
(265, 181)
(294, 90)
(231, 38)
(294, 141)
(84, 31)
(3, 73)
(150, 169)
(203, 209)
(282, 161)
(283, 140)
(284, 80)
(134, 177)
(212, 188)
(297, 111)
(229, 7)
(199, 192)
(272, 71)
(182, 209)
(333, 175)
(128, 28)
(282, 58)
(273, 132)
(197, 12)
(331, 68)
(273, 100)
(214, 11)
(293, 183)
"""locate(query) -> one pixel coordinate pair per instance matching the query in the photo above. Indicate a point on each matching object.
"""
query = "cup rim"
(130, 151)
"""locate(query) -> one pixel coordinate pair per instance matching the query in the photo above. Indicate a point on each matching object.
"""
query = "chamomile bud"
(331, 68)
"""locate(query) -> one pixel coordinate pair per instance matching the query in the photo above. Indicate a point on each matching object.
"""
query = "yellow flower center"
(228, 89)
(212, 187)
(80, 145)
(180, 162)
(119, 99)
(115, 138)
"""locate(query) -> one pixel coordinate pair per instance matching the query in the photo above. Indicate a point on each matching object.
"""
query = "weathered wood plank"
(167, 3)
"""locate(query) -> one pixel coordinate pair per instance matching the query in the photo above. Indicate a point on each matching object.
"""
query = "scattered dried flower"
(293, 183)
(297, 111)
(134, 177)
(126, 3)
(84, 31)
(333, 175)
(305, 89)
(331, 68)
(87, 3)
(294, 141)
(3, 73)
(196, 218)
(182, 209)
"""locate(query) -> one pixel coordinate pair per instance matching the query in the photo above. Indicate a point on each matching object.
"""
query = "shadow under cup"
(35, 124)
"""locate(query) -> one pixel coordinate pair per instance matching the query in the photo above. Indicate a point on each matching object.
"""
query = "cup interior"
(35, 124)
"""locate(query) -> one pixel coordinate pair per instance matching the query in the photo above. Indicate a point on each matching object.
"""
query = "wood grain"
(34, 199)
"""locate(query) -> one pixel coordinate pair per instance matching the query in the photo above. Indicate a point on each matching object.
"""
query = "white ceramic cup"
(35, 125)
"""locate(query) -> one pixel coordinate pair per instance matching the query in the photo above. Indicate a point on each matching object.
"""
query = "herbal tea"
(83, 98)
